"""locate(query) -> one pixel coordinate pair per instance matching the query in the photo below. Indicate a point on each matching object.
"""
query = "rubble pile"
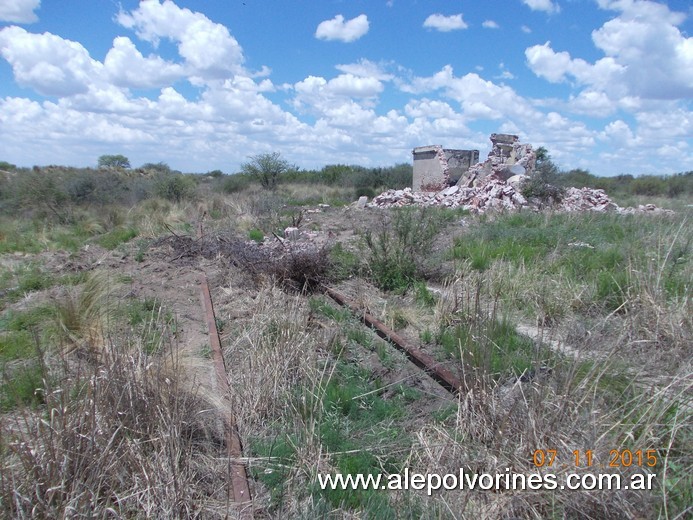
(496, 184)
(507, 158)
(494, 194)
(587, 199)
(490, 194)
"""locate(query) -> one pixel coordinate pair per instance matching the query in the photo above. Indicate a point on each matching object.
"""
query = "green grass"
(338, 314)
(595, 250)
(34, 280)
(152, 321)
(27, 278)
(344, 263)
(18, 330)
(423, 295)
(17, 321)
(114, 238)
(493, 346)
(17, 236)
(611, 380)
(36, 235)
(16, 345)
(256, 234)
(22, 387)
(357, 428)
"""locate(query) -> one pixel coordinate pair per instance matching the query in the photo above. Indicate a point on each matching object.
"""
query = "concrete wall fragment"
(507, 158)
(436, 168)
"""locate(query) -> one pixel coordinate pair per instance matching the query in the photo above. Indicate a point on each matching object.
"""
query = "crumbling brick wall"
(436, 168)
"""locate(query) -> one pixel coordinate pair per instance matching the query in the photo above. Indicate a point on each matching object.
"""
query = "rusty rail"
(239, 477)
(427, 363)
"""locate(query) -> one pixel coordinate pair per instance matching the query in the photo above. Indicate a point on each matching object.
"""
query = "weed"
(397, 249)
(142, 246)
(319, 306)
(114, 238)
(154, 324)
(22, 387)
(423, 295)
(15, 345)
(84, 313)
(28, 278)
(345, 263)
(360, 336)
(256, 235)
(426, 336)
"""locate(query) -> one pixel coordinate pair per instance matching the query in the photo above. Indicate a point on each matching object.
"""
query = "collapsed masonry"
(435, 167)
(444, 177)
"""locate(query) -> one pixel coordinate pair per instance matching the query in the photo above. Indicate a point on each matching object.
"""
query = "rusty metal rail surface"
(426, 362)
(239, 477)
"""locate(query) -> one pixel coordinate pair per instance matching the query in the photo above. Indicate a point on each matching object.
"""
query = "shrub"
(174, 187)
(236, 183)
(365, 192)
(649, 185)
(160, 167)
(256, 235)
(267, 168)
(396, 250)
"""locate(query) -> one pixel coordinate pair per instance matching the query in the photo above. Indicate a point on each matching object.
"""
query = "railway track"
(240, 488)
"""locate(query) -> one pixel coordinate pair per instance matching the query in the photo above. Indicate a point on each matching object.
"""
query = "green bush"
(236, 183)
(4, 165)
(365, 192)
(651, 186)
(24, 387)
(256, 235)
(397, 249)
(175, 187)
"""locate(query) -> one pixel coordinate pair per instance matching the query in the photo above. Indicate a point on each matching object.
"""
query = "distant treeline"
(677, 185)
(365, 181)
(56, 188)
(370, 181)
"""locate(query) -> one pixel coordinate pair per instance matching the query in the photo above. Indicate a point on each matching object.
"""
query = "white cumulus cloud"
(19, 11)
(444, 23)
(343, 30)
(366, 68)
(126, 67)
(646, 55)
(48, 63)
(490, 24)
(207, 47)
(548, 6)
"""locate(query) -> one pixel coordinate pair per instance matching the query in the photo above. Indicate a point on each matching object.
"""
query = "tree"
(542, 182)
(160, 167)
(267, 167)
(114, 161)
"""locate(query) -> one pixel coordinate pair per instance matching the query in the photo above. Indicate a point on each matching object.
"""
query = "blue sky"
(605, 85)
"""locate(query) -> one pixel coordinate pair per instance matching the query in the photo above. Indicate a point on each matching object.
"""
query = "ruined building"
(436, 168)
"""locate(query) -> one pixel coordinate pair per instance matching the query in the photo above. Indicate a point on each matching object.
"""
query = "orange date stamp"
(586, 459)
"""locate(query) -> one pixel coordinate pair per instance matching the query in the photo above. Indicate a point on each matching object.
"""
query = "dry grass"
(125, 433)
(121, 438)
